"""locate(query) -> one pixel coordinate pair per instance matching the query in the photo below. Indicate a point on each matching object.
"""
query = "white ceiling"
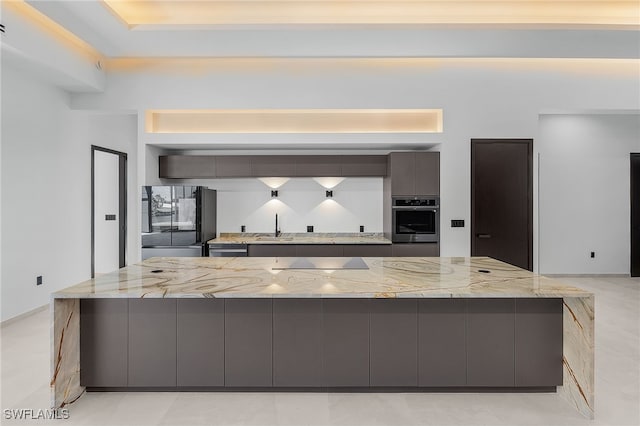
(93, 22)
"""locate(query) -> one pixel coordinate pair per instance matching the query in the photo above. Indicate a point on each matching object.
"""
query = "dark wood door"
(635, 215)
(502, 200)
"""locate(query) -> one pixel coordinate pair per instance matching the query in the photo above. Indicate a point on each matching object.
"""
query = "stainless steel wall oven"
(415, 219)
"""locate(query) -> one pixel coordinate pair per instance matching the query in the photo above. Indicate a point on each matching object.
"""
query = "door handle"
(483, 235)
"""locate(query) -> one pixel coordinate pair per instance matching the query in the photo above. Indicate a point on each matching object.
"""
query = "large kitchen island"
(351, 324)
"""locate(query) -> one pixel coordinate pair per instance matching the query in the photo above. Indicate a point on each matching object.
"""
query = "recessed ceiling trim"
(294, 121)
(311, 12)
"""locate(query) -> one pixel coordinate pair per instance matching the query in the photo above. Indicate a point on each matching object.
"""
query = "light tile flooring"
(25, 377)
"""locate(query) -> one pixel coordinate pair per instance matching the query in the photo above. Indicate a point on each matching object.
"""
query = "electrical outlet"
(361, 228)
(243, 228)
(39, 280)
(593, 254)
(309, 228)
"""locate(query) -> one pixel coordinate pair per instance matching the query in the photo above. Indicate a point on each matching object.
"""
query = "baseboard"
(17, 318)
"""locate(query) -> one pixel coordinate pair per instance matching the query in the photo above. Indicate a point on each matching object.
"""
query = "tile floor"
(25, 378)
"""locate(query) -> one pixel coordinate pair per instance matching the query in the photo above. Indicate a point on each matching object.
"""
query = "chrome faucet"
(277, 233)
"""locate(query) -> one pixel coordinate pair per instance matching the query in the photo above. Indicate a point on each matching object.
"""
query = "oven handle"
(431, 208)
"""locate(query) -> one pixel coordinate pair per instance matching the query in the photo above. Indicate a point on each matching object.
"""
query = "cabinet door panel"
(490, 342)
(319, 250)
(187, 166)
(416, 250)
(366, 250)
(402, 169)
(233, 166)
(248, 345)
(394, 345)
(152, 342)
(441, 342)
(318, 166)
(538, 342)
(272, 250)
(346, 342)
(427, 173)
(297, 342)
(364, 165)
(103, 342)
(273, 165)
(200, 338)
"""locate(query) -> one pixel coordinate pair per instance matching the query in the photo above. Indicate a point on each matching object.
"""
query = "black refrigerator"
(177, 220)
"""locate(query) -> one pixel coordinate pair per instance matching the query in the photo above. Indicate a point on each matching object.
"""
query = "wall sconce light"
(274, 194)
(329, 194)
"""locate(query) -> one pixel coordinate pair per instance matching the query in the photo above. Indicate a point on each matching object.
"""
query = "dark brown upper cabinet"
(187, 166)
(414, 173)
(364, 165)
(272, 166)
(318, 166)
(233, 166)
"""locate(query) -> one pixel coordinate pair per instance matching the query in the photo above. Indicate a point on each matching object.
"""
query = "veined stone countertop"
(301, 238)
(386, 277)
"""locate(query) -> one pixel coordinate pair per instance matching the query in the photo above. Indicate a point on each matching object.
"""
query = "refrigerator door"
(156, 215)
(184, 216)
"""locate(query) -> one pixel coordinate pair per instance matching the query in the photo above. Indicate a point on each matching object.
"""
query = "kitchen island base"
(390, 343)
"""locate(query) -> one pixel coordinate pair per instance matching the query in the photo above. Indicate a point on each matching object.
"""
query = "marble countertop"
(301, 238)
(388, 277)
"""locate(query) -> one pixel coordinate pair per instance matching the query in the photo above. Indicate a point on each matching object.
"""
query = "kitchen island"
(410, 324)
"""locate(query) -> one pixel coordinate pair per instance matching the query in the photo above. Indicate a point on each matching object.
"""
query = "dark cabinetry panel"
(272, 166)
(490, 342)
(247, 343)
(364, 165)
(416, 250)
(233, 166)
(318, 166)
(427, 173)
(538, 343)
(297, 342)
(366, 250)
(441, 342)
(346, 342)
(393, 342)
(272, 250)
(319, 250)
(414, 173)
(103, 342)
(187, 166)
(152, 342)
(200, 337)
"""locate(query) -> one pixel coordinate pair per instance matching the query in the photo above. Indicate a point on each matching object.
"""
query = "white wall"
(46, 188)
(300, 202)
(584, 192)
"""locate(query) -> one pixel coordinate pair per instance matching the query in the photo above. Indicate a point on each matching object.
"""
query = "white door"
(106, 212)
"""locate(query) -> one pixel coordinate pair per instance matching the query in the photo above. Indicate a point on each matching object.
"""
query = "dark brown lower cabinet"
(200, 338)
(442, 349)
(416, 250)
(321, 342)
(247, 342)
(272, 250)
(103, 342)
(490, 342)
(346, 342)
(366, 250)
(393, 349)
(319, 250)
(538, 346)
(152, 342)
(297, 342)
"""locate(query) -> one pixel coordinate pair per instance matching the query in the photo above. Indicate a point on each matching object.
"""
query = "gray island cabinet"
(321, 324)
(321, 342)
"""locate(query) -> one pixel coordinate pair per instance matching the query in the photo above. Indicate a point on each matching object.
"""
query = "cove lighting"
(294, 121)
(558, 14)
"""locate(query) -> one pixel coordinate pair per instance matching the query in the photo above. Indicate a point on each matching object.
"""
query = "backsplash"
(301, 202)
